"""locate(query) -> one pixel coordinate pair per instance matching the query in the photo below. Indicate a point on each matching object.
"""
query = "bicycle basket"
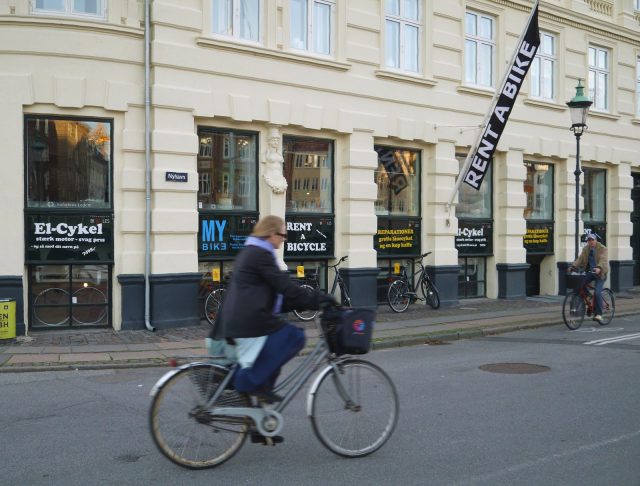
(348, 331)
(574, 280)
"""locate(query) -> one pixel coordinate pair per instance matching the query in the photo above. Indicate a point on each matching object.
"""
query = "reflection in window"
(311, 25)
(227, 162)
(594, 193)
(237, 18)
(538, 188)
(307, 160)
(474, 203)
(397, 178)
(472, 277)
(68, 163)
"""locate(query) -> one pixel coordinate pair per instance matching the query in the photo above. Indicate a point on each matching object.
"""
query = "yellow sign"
(7, 319)
(300, 271)
(396, 268)
(215, 274)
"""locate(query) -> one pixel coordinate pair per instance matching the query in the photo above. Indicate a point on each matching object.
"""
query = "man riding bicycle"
(594, 259)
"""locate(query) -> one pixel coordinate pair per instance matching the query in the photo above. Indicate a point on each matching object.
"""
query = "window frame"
(69, 12)
(404, 22)
(236, 23)
(310, 45)
(537, 69)
(477, 40)
(594, 72)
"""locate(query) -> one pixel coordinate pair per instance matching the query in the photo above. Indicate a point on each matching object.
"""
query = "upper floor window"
(239, 19)
(402, 35)
(636, 4)
(638, 85)
(543, 69)
(312, 25)
(599, 77)
(480, 47)
(80, 8)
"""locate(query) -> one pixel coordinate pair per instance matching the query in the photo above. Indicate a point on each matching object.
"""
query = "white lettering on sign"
(66, 229)
(306, 247)
(467, 232)
(299, 226)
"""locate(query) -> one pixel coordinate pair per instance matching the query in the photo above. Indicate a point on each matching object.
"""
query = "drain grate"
(514, 368)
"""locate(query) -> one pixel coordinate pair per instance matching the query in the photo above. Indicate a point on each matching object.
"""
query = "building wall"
(62, 66)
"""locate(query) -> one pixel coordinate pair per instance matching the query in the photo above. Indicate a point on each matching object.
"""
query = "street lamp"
(578, 107)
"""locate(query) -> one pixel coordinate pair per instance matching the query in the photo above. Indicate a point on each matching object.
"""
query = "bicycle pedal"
(256, 438)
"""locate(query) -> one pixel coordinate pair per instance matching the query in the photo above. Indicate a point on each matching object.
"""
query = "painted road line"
(600, 342)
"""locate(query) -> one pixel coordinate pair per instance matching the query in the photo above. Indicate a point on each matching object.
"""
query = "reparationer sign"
(501, 109)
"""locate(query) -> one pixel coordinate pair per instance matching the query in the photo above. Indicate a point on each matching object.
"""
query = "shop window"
(472, 277)
(308, 160)
(538, 188)
(398, 181)
(68, 163)
(594, 192)
(76, 8)
(227, 170)
(473, 203)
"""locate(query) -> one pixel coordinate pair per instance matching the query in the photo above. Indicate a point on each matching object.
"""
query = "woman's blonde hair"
(267, 226)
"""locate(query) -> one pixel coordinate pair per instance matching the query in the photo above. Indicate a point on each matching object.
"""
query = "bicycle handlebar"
(426, 254)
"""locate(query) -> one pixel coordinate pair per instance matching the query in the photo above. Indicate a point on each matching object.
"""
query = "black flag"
(501, 109)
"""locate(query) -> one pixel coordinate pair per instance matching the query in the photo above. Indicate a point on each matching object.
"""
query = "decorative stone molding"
(273, 163)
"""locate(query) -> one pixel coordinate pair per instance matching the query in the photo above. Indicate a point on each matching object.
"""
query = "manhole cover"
(514, 368)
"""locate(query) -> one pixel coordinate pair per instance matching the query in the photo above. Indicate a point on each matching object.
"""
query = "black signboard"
(223, 236)
(538, 240)
(397, 237)
(176, 176)
(309, 236)
(600, 229)
(69, 238)
(474, 238)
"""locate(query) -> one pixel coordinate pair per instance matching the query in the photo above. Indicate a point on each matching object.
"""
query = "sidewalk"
(99, 349)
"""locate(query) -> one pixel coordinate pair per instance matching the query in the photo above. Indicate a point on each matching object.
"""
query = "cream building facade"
(349, 119)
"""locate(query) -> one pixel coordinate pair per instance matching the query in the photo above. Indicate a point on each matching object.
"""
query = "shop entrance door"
(533, 274)
(635, 221)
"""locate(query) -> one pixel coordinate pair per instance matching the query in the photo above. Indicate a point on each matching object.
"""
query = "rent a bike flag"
(503, 104)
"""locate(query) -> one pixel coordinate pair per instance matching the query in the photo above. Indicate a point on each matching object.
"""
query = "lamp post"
(578, 107)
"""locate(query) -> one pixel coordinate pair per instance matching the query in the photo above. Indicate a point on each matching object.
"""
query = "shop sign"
(69, 238)
(176, 176)
(599, 229)
(222, 236)
(539, 238)
(474, 238)
(309, 237)
(397, 237)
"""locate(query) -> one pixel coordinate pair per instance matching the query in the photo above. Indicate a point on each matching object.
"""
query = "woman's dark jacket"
(247, 310)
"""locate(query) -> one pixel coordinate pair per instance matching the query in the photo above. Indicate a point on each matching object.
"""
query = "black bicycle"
(312, 283)
(402, 292)
(214, 298)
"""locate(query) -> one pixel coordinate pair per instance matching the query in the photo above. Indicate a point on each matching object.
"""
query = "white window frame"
(236, 22)
(310, 31)
(540, 88)
(403, 22)
(68, 11)
(597, 74)
(478, 40)
(636, 5)
(638, 85)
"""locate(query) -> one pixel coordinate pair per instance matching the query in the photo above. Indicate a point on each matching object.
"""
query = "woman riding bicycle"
(594, 259)
(248, 320)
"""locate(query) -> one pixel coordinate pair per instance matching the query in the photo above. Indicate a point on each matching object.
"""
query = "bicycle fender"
(164, 378)
(314, 386)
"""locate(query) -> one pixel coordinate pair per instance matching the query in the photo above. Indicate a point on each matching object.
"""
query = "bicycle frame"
(418, 276)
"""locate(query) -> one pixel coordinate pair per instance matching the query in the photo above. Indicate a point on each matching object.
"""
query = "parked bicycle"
(338, 281)
(88, 306)
(582, 301)
(198, 420)
(402, 292)
(214, 298)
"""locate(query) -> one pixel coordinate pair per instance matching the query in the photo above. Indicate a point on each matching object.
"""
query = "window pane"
(547, 79)
(470, 24)
(392, 7)
(548, 44)
(410, 9)
(473, 203)
(592, 85)
(57, 5)
(222, 17)
(299, 24)
(308, 168)
(86, 6)
(392, 39)
(538, 188)
(68, 163)
(397, 178)
(227, 163)
(411, 48)
(535, 77)
(486, 28)
(602, 59)
(592, 56)
(594, 193)
(470, 61)
(322, 28)
(250, 20)
(485, 63)
(601, 88)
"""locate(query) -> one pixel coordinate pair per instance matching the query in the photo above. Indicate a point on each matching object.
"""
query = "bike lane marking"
(599, 329)
(627, 337)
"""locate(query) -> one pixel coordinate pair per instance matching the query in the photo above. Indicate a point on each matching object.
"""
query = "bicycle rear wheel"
(360, 422)
(212, 305)
(573, 310)
(608, 306)
(398, 296)
(430, 292)
(306, 315)
(184, 429)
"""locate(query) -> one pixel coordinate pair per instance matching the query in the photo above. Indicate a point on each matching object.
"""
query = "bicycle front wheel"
(398, 296)
(307, 315)
(212, 305)
(431, 294)
(354, 412)
(183, 428)
(573, 310)
(608, 307)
